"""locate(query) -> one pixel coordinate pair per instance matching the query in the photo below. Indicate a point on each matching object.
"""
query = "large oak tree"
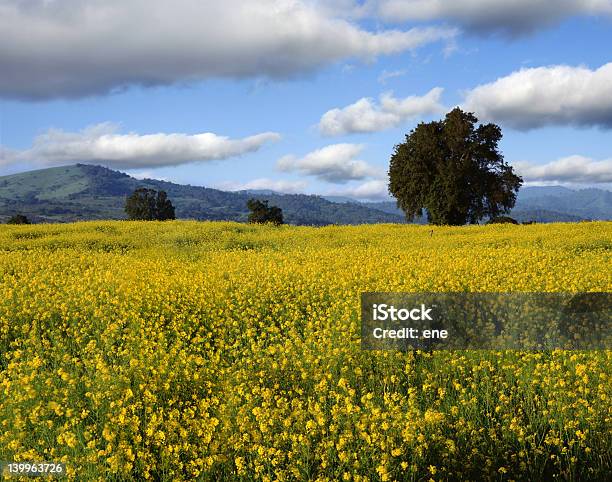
(453, 170)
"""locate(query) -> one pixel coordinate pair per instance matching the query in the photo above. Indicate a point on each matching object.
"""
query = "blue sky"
(262, 87)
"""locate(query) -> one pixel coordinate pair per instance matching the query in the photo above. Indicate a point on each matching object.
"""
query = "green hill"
(84, 192)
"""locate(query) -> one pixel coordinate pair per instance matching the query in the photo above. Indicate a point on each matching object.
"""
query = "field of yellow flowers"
(222, 351)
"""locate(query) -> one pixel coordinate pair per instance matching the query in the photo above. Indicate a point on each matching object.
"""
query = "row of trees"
(151, 205)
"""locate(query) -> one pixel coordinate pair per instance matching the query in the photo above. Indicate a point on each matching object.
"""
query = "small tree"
(149, 205)
(262, 213)
(454, 171)
(18, 219)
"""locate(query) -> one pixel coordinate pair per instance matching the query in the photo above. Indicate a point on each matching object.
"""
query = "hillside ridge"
(89, 192)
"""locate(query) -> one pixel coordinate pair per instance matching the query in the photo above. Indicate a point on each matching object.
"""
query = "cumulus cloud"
(333, 163)
(555, 95)
(374, 190)
(572, 170)
(74, 48)
(483, 16)
(367, 116)
(102, 144)
(278, 185)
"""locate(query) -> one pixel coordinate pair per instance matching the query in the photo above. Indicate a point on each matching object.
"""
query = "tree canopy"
(149, 205)
(453, 170)
(261, 213)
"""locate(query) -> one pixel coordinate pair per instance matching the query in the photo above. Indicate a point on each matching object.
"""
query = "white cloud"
(374, 190)
(74, 48)
(6, 156)
(391, 74)
(555, 95)
(333, 163)
(367, 116)
(147, 174)
(101, 144)
(280, 185)
(512, 17)
(573, 170)
(353, 9)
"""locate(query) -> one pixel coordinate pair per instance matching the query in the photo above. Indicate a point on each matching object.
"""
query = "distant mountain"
(263, 192)
(583, 203)
(544, 204)
(385, 206)
(85, 192)
(541, 191)
(341, 199)
(543, 216)
(390, 207)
